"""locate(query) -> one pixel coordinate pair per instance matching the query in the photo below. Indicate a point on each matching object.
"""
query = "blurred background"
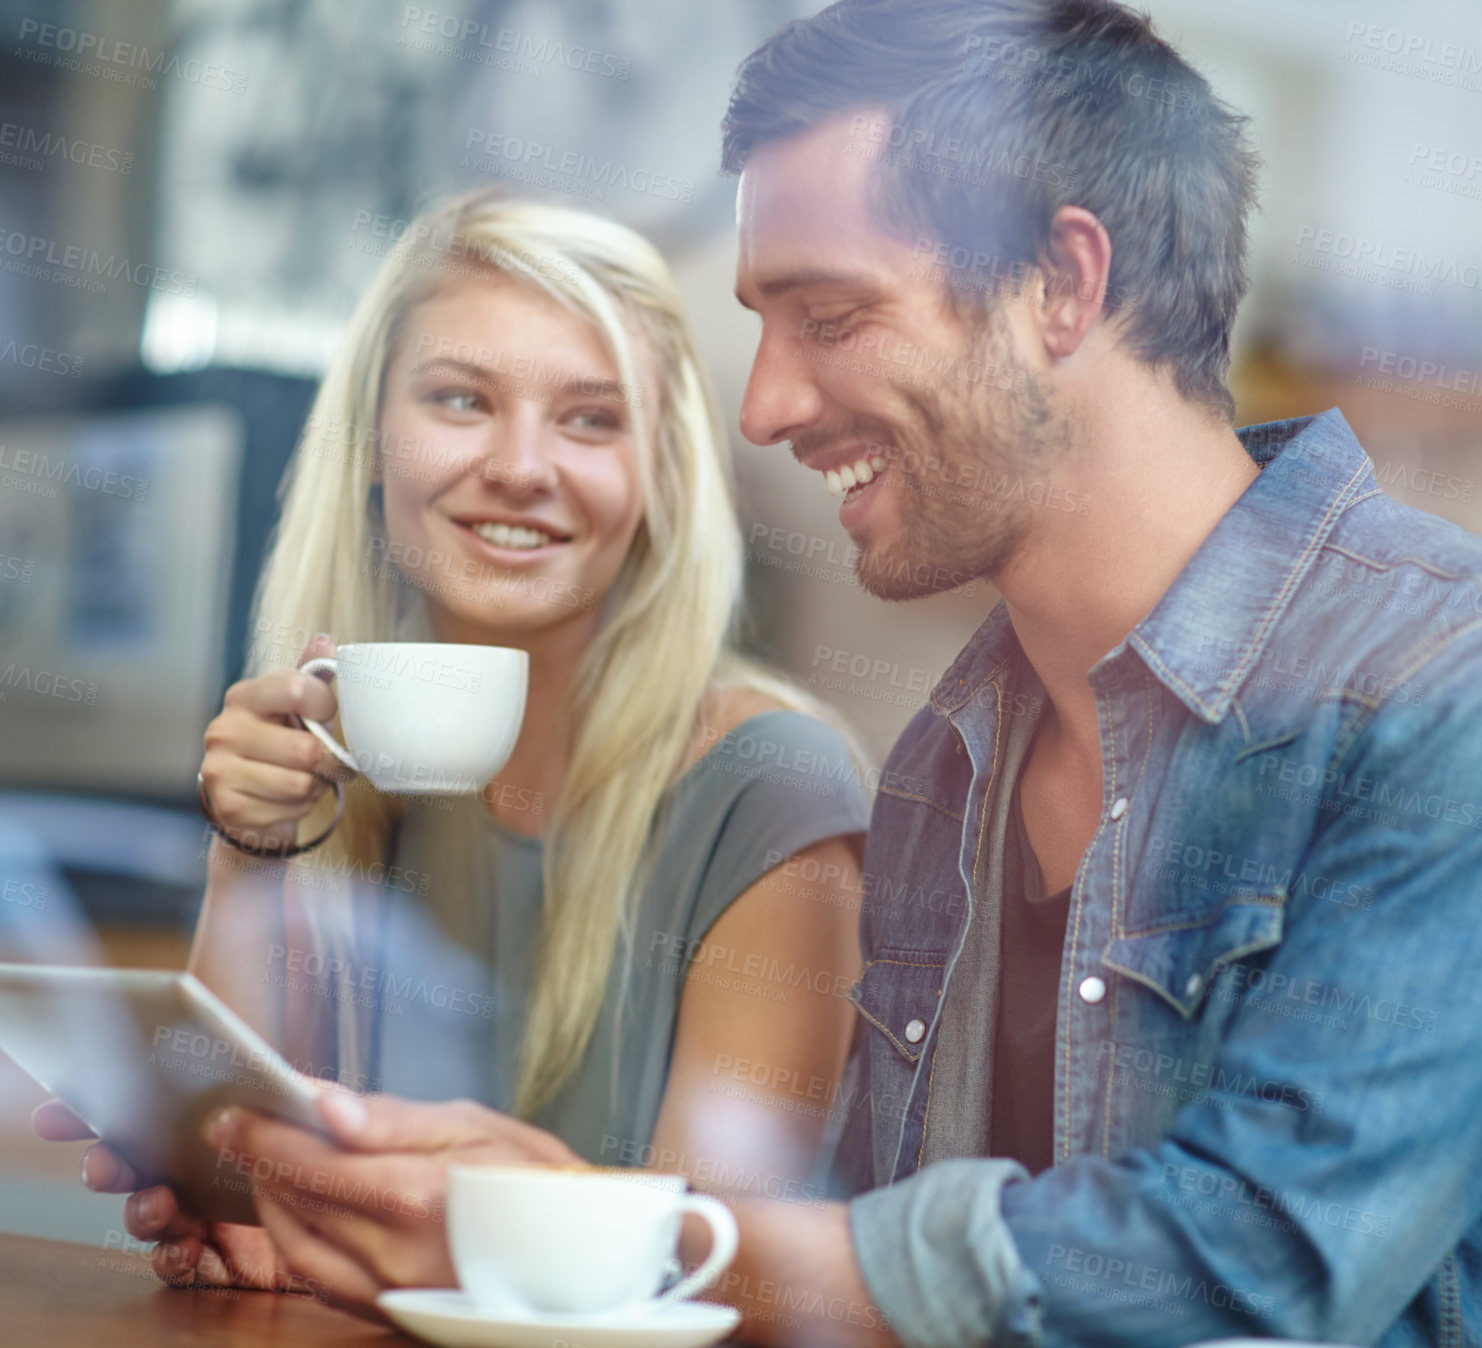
(193, 193)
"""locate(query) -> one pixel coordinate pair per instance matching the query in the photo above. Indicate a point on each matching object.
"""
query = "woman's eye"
(596, 419)
(457, 400)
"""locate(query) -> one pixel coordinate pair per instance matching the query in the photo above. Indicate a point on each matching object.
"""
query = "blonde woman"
(515, 446)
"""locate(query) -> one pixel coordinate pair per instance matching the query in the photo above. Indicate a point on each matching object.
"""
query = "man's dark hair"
(1002, 111)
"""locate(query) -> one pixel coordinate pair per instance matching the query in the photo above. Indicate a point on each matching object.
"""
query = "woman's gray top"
(456, 959)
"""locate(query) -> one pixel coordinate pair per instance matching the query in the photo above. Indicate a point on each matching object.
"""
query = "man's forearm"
(795, 1279)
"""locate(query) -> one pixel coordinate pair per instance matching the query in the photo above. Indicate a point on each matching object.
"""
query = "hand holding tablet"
(143, 1059)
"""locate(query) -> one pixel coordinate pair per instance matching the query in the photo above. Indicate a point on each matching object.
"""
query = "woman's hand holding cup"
(263, 771)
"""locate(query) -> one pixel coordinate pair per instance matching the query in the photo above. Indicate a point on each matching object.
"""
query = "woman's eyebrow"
(591, 386)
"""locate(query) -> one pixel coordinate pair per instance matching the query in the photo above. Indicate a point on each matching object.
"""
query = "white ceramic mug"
(527, 1240)
(425, 717)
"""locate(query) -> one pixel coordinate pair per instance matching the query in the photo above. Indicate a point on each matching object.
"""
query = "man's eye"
(833, 318)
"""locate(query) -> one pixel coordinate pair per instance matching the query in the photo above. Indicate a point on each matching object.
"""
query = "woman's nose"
(517, 452)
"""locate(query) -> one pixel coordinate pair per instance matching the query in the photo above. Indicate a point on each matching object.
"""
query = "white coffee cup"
(425, 717)
(534, 1241)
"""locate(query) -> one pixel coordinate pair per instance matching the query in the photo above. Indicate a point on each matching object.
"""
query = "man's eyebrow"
(808, 276)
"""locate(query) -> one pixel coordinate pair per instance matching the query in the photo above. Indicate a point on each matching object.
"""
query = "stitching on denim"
(947, 708)
(1152, 657)
(977, 858)
(1421, 656)
(1244, 724)
(1111, 1078)
(1313, 545)
(1430, 568)
(1274, 900)
(1450, 1301)
(874, 1020)
(884, 1029)
(919, 800)
(1275, 742)
(1078, 902)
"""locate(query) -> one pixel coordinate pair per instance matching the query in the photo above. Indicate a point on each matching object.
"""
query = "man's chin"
(897, 578)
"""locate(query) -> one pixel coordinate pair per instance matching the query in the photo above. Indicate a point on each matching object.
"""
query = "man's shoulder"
(1391, 589)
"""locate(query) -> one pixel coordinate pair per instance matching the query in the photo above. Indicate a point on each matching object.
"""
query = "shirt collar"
(1208, 630)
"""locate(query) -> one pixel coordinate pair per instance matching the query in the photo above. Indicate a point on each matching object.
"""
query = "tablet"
(144, 1057)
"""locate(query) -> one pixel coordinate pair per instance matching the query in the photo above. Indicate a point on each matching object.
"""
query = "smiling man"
(1179, 1059)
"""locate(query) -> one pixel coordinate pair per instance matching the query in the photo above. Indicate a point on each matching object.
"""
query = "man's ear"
(1076, 263)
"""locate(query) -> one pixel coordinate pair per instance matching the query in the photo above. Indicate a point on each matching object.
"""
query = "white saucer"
(449, 1317)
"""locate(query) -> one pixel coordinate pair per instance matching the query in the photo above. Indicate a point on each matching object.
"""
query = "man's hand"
(353, 1216)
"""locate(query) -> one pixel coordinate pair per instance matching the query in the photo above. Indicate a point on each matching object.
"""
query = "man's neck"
(1158, 475)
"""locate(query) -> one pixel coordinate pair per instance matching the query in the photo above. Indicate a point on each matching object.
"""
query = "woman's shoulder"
(750, 723)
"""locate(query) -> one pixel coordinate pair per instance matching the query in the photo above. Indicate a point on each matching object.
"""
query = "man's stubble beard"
(963, 521)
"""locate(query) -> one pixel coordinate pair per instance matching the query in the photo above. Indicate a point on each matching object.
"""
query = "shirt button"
(1092, 990)
(914, 1031)
(1119, 807)
(1191, 988)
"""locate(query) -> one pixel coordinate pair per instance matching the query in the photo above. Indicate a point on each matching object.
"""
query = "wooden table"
(55, 1295)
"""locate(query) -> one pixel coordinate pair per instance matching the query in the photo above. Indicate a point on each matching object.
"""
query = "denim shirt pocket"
(1181, 960)
(897, 987)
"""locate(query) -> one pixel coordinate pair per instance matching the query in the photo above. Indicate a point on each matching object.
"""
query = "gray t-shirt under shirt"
(458, 960)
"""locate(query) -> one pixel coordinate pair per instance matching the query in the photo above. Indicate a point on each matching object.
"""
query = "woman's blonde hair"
(667, 625)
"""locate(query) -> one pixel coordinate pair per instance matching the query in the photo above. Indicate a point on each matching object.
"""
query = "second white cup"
(528, 1240)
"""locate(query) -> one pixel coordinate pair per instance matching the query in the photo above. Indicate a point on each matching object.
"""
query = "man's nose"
(782, 395)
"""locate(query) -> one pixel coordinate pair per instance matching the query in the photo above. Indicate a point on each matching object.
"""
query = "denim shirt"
(1268, 1059)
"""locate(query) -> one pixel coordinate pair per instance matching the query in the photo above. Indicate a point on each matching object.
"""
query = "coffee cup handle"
(315, 728)
(722, 1246)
